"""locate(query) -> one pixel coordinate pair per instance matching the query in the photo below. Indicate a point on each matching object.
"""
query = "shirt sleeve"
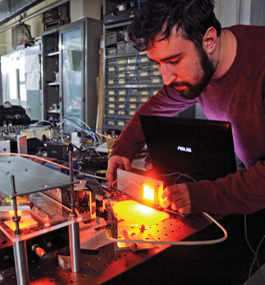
(166, 102)
(237, 193)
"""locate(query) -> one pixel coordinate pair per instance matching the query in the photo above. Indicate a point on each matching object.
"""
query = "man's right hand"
(115, 162)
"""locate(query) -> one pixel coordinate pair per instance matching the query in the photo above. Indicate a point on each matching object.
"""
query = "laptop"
(184, 150)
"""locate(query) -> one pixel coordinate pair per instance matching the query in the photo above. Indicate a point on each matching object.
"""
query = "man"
(221, 69)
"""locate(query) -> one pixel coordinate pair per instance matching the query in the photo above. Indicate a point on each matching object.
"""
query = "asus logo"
(185, 149)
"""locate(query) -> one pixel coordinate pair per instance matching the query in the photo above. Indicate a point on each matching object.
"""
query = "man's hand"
(178, 197)
(115, 162)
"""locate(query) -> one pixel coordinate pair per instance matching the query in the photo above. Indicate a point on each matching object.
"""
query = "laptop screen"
(200, 149)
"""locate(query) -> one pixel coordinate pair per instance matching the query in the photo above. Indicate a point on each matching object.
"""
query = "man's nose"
(167, 74)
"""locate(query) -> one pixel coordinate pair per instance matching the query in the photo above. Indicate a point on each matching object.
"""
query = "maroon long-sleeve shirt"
(237, 97)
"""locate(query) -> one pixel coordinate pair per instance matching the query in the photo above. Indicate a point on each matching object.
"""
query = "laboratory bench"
(226, 262)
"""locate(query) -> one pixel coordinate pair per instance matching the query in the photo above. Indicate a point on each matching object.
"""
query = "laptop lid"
(201, 149)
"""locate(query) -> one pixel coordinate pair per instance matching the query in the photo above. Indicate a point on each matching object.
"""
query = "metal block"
(22, 145)
(5, 146)
(136, 186)
(64, 261)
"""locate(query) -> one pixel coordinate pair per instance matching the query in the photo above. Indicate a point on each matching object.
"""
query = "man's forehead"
(176, 40)
(175, 31)
(175, 35)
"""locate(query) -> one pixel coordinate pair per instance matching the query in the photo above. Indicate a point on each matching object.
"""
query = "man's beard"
(193, 91)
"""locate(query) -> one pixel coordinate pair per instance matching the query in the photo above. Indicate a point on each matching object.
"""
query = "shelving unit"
(120, 69)
(50, 66)
(70, 66)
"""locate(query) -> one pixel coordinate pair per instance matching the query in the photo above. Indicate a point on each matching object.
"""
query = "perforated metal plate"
(30, 177)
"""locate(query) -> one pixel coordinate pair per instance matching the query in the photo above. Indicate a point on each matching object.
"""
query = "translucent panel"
(72, 69)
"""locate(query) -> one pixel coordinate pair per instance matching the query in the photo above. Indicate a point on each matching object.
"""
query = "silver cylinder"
(21, 262)
(74, 235)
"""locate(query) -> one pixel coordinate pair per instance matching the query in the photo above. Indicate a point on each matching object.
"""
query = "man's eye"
(174, 62)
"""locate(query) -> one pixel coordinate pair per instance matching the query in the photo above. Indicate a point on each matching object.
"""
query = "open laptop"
(189, 149)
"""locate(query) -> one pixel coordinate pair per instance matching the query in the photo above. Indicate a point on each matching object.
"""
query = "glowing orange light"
(135, 213)
(40, 252)
(149, 193)
(12, 213)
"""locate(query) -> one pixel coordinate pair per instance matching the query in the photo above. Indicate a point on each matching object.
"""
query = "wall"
(257, 12)
(85, 8)
(245, 12)
(35, 23)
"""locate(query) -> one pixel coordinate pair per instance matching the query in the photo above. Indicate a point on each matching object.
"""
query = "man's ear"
(209, 41)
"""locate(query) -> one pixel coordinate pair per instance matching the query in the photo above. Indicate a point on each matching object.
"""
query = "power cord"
(255, 260)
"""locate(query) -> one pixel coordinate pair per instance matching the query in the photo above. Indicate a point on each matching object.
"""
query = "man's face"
(181, 65)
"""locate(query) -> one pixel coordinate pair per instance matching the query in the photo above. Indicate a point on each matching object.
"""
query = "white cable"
(77, 127)
(201, 242)
(86, 125)
(77, 119)
(39, 122)
(92, 134)
(99, 134)
(180, 175)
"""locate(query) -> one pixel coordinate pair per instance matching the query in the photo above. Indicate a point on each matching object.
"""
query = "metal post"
(74, 235)
(16, 218)
(21, 262)
(19, 247)
(74, 232)
(99, 207)
(71, 174)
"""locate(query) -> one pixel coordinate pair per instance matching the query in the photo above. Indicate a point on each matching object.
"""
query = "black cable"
(29, 33)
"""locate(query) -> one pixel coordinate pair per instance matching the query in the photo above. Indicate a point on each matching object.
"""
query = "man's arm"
(242, 192)
(166, 102)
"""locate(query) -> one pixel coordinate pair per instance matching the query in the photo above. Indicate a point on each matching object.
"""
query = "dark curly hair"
(192, 17)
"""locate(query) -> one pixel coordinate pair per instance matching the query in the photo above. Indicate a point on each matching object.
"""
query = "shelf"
(134, 86)
(113, 26)
(53, 84)
(124, 55)
(111, 117)
(53, 53)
